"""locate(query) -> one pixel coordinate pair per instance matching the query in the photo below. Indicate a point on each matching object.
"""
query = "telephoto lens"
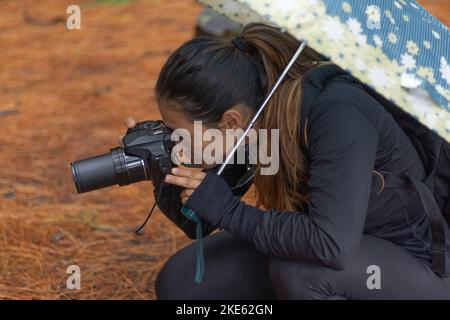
(113, 168)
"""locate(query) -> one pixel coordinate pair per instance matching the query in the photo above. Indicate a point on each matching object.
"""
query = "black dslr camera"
(145, 156)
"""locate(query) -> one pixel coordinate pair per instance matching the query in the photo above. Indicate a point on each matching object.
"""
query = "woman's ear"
(234, 118)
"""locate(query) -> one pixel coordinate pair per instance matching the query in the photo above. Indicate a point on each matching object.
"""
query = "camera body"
(151, 141)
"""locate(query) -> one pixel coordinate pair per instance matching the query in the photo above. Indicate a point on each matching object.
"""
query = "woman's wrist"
(215, 203)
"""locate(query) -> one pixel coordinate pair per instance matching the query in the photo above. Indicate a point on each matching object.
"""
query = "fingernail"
(175, 170)
(167, 178)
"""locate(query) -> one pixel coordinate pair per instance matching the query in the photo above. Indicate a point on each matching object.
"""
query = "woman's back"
(393, 214)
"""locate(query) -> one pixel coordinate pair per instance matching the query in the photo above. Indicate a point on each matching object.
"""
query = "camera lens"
(107, 170)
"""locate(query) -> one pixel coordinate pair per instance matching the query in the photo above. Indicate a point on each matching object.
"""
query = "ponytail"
(285, 190)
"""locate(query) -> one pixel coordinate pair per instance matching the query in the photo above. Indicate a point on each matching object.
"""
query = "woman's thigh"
(234, 269)
(380, 270)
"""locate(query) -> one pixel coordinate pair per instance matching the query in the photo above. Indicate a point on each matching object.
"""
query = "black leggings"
(234, 269)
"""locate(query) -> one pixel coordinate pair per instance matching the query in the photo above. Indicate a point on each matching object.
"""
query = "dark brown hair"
(207, 76)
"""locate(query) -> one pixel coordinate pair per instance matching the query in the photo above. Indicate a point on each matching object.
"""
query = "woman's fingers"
(188, 173)
(186, 178)
(185, 194)
(182, 181)
(120, 139)
(130, 122)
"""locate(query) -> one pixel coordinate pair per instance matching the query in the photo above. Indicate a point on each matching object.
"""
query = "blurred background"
(64, 95)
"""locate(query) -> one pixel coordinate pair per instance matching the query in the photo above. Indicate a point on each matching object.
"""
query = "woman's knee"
(293, 280)
(164, 281)
(175, 280)
(172, 282)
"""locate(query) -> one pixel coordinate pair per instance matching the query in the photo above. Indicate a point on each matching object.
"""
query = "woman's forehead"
(173, 118)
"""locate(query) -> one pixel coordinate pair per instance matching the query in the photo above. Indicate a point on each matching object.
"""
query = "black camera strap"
(141, 227)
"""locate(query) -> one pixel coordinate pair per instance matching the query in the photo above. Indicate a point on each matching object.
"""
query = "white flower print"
(379, 77)
(408, 61)
(346, 7)
(373, 12)
(378, 41)
(427, 73)
(445, 70)
(412, 47)
(392, 37)
(354, 25)
(361, 39)
(359, 64)
(333, 29)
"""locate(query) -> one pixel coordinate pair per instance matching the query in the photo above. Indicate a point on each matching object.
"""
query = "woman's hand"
(130, 123)
(186, 178)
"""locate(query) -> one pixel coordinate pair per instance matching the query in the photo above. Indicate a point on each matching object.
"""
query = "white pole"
(255, 117)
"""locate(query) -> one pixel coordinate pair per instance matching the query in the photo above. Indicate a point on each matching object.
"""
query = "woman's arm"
(169, 202)
(342, 144)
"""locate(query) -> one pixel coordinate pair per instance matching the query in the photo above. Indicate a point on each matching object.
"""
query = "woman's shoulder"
(343, 97)
(328, 85)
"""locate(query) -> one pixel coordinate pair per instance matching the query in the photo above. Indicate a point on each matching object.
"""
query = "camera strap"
(200, 261)
(141, 227)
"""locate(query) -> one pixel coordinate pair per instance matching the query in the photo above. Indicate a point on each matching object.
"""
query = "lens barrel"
(107, 170)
